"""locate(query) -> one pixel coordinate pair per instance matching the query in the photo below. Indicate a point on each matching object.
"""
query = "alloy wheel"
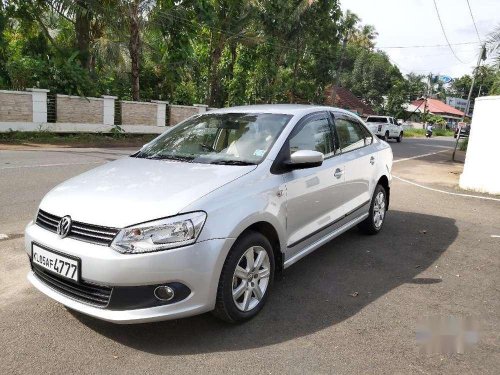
(379, 210)
(251, 278)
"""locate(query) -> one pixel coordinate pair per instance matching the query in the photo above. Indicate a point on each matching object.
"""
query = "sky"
(415, 22)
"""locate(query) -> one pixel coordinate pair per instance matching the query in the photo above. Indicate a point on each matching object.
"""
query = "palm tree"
(88, 21)
(364, 36)
(348, 26)
(493, 45)
(228, 22)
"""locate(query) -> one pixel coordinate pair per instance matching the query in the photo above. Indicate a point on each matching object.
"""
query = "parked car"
(385, 127)
(463, 130)
(205, 216)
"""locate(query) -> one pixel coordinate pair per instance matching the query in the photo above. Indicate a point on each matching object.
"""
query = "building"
(347, 100)
(435, 107)
(460, 104)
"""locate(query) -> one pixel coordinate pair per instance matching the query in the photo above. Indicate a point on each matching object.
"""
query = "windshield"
(228, 138)
(377, 119)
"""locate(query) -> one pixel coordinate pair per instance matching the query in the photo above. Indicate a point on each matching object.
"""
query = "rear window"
(377, 119)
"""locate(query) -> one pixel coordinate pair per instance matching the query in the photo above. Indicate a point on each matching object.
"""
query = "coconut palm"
(364, 36)
(493, 45)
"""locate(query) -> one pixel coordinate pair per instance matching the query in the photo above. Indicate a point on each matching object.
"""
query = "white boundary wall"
(482, 161)
(79, 114)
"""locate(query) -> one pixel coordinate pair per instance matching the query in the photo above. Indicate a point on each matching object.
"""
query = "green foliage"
(443, 132)
(372, 77)
(409, 133)
(495, 87)
(75, 139)
(464, 144)
(219, 52)
(436, 120)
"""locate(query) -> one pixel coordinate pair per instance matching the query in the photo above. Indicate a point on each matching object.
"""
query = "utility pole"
(427, 93)
(482, 56)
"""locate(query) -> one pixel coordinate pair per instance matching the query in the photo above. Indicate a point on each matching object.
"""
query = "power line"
(427, 46)
(473, 21)
(444, 33)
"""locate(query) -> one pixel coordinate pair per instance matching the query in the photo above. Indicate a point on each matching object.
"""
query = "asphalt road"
(352, 306)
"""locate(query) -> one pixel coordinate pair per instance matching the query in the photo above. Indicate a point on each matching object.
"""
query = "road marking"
(50, 165)
(3, 236)
(446, 192)
(419, 156)
(495, 236)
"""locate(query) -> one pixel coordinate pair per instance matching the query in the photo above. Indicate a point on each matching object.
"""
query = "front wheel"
(246, 279)
(386, 136)
(378, 207)
(400, 138)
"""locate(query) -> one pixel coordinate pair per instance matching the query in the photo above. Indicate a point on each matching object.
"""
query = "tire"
(370, 225)
(247, 304)
(400, 138)
(386, 136)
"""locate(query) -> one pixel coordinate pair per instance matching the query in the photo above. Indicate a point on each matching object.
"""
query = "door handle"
(338, 173)
(372, 160)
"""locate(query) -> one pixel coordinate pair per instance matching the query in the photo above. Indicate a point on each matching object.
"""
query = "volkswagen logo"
(64, 226)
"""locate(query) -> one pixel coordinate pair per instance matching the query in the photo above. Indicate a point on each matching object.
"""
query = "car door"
(359, 158)
(394, 128)
(313, 195)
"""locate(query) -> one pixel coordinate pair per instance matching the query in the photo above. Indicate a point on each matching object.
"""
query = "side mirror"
(303, 159)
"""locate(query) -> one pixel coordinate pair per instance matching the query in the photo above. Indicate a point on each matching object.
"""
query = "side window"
(351, 134)
(315, 135)
(366, 132)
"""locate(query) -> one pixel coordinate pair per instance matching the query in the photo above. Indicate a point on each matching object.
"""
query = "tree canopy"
(218, 52)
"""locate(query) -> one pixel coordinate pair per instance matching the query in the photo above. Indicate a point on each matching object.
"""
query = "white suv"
(385, 127)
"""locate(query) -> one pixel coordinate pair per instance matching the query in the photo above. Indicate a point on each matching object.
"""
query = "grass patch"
(443, 132)
(76, 139)
(421, 133)
(414, 132)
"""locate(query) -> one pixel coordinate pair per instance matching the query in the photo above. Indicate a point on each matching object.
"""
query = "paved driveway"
(350, 307)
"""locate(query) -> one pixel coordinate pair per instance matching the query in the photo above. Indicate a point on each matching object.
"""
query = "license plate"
(55, 262)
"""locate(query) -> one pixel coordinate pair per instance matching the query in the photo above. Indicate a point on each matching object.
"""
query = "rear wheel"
(246, 279)
(400, 138)
(378, 207)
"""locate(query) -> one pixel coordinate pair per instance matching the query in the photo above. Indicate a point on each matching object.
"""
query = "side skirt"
(309, 249)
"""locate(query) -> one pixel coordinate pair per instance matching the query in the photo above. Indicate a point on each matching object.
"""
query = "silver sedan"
(206, 215)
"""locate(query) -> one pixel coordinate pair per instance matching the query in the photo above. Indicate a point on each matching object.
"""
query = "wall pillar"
(161, 112)
(108, 108)
(39, 99)
(483, 154)
(202, 108)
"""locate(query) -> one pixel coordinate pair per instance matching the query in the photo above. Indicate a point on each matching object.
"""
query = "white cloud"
(414, 22)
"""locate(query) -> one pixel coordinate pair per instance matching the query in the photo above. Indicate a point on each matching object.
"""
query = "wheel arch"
(384, 181)
(269, 231)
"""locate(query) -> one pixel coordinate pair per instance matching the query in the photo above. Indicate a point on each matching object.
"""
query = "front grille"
(80, 231)
(90, 294)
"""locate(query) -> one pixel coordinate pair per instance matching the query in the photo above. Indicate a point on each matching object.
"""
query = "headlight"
(160, 234)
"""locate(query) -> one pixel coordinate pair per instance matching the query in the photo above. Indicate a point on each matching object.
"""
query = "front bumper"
(197, 266)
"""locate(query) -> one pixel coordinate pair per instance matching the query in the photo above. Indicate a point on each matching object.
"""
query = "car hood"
(131, 190)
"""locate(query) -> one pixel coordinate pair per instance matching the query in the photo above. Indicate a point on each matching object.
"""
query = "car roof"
(288, 109)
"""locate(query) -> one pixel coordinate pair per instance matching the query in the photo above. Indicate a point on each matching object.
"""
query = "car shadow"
(325, 288)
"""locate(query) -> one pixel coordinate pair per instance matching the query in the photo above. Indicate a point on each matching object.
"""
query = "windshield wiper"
(171, 157)
(232, 162)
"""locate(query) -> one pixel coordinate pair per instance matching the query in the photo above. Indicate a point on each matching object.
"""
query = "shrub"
(463, 145)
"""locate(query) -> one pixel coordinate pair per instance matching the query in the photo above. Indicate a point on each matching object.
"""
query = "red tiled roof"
(347, 100)
(437, 107)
